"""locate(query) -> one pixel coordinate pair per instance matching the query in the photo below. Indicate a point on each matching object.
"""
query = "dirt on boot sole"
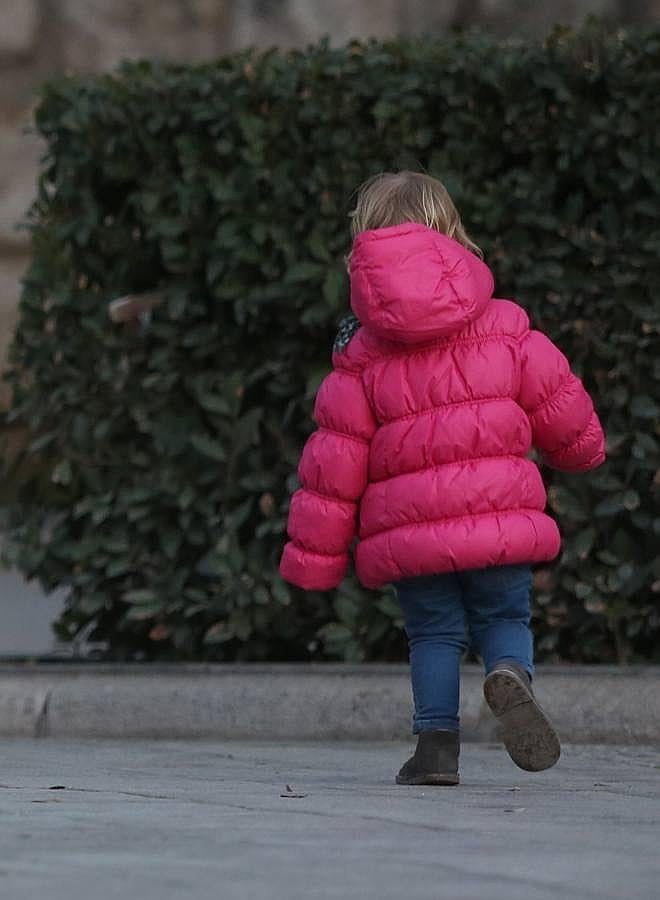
(528, 735)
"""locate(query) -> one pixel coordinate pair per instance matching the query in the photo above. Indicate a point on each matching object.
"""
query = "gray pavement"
(160, 820)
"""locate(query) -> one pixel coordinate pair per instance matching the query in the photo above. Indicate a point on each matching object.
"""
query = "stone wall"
(41, 37)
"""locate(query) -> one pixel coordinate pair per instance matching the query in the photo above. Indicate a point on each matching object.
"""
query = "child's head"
(393, 198)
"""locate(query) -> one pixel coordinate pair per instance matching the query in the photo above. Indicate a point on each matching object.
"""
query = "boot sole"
(528, 735)
(447, 780)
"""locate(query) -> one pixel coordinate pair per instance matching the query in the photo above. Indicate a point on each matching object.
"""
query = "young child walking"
(439, 392)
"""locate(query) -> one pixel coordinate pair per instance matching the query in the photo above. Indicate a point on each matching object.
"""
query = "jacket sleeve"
(565, 426)
(333, 474)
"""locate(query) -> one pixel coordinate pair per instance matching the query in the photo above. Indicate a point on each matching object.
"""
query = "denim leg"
(497, 605)
(435, 626)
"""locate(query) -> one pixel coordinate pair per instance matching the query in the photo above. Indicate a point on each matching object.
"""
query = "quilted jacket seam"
(327, 497)
(562, 386)
(453, 462)
(441, 342)
(345, 434)
(437, 520)
(449, 403)
(311, 552)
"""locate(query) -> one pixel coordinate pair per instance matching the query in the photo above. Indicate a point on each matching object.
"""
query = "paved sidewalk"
(161, 820)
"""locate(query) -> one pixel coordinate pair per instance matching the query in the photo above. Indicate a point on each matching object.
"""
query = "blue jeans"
(489, 608)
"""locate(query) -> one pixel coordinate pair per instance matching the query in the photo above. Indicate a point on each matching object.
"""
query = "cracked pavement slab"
(252, 821)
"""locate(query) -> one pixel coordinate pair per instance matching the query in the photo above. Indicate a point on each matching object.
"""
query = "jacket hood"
(411, 284)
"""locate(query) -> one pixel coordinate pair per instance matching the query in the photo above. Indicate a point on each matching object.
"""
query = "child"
(437, 396)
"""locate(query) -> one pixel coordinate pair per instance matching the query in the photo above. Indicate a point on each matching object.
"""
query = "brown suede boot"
(435, 760)
(528, 735)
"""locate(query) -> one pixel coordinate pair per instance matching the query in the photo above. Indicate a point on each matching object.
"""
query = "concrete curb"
(588, 704)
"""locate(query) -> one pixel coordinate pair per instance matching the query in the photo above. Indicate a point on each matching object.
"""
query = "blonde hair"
(392, 198)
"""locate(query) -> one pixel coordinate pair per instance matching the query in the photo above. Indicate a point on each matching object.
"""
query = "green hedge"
(156, 482)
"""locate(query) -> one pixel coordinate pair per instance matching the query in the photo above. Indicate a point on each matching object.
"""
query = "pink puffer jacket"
(426, 423)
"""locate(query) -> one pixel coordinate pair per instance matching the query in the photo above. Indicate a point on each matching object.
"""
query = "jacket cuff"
(312, 571)
(587, 453)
